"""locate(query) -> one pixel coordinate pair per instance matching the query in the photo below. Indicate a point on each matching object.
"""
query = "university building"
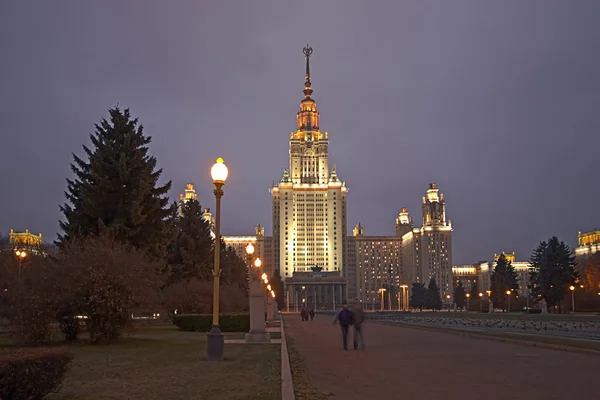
(322, 266)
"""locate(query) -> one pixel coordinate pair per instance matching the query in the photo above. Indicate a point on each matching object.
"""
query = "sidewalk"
(418, 364)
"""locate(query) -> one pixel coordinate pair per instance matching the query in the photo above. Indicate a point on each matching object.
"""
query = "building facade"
(427, 251)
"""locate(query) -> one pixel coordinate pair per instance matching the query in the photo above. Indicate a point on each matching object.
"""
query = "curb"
(452, 331)
(287, 386)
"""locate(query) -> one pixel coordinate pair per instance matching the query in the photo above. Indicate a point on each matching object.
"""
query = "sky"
(496, 102)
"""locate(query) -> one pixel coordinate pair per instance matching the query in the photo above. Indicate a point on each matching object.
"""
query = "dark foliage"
(278, 287)
(32, 373)
(190, 253)
(116, 189)
(105, 281)
(418, 295)
(433, 298)
(553, 272)
(203, 323)
(459, 295)
(196, 297)
(503, 279)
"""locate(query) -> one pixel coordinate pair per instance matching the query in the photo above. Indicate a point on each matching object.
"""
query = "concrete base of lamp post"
(258, 332)
(215, 344)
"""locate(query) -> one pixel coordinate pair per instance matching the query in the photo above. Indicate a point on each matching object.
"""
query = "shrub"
(196, 297)
(203, 323)
(105, 281)
(32, 373)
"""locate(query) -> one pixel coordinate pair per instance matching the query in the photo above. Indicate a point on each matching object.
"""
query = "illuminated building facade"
(187, 195)
(309, 201)
(481, 273)
(25, 241)
(588, 243)
(427, 251)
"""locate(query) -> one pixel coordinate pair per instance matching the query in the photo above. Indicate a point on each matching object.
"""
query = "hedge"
(203, 322)
(32, 373)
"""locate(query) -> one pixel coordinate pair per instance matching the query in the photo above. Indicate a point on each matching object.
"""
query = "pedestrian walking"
(358, 318)
(312, 314)
(345, 318)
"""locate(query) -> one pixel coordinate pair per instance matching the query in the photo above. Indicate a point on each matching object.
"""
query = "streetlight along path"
(410, 363)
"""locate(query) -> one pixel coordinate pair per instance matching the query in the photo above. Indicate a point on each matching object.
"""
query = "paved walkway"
(409, 363)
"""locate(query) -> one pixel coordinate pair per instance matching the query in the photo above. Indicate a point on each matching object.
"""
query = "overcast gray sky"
(495, 101)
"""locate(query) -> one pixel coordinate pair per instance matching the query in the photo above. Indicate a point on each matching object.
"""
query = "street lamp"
(480, 301)
(215, 339)
(264, 276)
(20, 256)
(257, 263)
(508, 300)
(468, 297)
(382, 291)
(572, 288)
(404, 297)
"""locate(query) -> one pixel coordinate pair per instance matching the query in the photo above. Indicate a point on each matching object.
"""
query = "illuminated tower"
(427, 251)
(309, 202)
(189, 194)
(404, 222)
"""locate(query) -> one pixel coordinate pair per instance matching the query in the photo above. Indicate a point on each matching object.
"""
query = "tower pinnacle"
(307, 84)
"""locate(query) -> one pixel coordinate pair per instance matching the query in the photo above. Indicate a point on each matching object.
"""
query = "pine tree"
(503, 279)
(553, 271)
(474, 292)
(433, 298)
(234, 270)
(191, 253)
(418, 295)
(459, 295)
(116, 191)
(278, 287)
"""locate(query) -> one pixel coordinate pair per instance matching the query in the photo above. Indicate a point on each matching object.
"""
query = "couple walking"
(348, 318)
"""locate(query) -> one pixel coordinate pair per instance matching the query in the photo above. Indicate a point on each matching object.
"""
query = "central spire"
(308, 116)
(307, 84)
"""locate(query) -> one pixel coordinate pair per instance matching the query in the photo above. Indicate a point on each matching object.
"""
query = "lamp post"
(480, 301)
(468, 297)
(215, 339)
(404, 297)
(20, 256)
(382, 291)
(448, 301)
(258, 332)
(572, 289)
(508, 300)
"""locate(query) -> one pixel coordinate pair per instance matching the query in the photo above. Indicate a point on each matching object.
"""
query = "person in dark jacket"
(346, 319)
(312, 314)
(359, 317)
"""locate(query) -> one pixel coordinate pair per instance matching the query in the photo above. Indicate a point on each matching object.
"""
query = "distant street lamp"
(215, 339)
(572, 288)
(508, 300)
(404, 297)
(480, 301)
(382, 291)
(21, 254)
(468, 297)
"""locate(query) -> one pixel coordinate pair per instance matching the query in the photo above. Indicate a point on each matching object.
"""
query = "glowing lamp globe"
(273, 293)
(219, 171)
(269, 288)
(250, 249)
(257, 263)
(264, 276)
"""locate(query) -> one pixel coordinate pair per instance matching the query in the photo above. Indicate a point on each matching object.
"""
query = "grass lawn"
(166, 363)
(303, 388)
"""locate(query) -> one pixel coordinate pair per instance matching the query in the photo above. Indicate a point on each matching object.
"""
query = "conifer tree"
(503, 279)
(418, 295)
(191, 252)
(459, 295)
(278, 288)
(115, 189)
(553, 271)
(433, 297)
